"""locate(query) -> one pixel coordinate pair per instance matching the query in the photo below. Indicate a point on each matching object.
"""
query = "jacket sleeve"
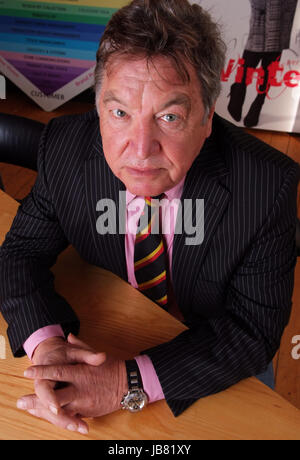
(28, 300)
(219, 352)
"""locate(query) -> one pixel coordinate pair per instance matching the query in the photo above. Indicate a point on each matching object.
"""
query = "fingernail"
(28, 373)
(53, 409)
(32, 411)
(21, 404)
(82, 430)
(72, 427)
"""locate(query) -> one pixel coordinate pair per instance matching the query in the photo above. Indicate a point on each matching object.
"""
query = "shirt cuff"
(39, 336)
(151, 384)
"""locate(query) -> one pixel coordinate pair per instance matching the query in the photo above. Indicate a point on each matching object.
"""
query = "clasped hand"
(72, 381)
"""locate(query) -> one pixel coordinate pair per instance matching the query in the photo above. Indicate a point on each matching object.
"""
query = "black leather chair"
(298, 237)
(19, 140)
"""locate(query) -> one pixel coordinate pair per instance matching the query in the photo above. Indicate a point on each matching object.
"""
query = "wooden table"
(118, 319)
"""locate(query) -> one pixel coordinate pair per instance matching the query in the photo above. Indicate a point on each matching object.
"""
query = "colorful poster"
(48, 48)
(261, 78)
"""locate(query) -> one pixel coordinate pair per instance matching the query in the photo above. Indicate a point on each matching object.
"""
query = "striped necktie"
(149, 255)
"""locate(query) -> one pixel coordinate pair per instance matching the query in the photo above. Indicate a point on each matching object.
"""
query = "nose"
(144, 141)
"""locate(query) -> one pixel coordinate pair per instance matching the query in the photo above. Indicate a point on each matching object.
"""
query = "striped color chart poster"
(48, 48)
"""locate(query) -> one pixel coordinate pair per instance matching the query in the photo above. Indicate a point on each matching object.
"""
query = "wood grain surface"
(118, 319)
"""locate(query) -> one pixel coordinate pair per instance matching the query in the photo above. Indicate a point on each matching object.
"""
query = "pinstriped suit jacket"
(234, 290)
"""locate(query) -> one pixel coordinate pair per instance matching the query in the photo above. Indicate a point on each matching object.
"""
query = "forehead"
(158, 73)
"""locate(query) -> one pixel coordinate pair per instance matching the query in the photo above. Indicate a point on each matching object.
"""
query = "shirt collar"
(173, 193)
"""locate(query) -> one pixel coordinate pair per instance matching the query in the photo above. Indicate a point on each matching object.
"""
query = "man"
(157, 80)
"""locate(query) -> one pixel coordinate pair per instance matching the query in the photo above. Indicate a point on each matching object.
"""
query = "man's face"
(151, 123)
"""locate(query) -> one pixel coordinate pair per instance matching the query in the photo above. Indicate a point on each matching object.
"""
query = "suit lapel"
(100, 183)
(204, 181)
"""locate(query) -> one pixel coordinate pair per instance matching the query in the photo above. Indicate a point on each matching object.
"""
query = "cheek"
(182, 157)
(112, 142)
(180, 154)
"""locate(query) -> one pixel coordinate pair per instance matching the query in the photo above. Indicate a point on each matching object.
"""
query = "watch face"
(135, 401)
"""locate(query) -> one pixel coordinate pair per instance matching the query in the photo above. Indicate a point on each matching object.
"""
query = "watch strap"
(134, 377)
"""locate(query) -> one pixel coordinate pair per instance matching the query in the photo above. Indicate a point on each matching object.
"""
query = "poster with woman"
(261, 78)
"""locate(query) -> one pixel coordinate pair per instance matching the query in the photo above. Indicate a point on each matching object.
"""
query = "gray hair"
(171, 28)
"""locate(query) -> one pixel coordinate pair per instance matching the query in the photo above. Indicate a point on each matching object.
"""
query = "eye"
(118, 113)
(170, 117)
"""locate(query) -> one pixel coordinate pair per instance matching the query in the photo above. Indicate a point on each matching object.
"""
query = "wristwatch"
(136, 399)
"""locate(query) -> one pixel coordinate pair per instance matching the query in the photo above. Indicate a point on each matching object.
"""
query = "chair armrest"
(298, 237)
(19, 140)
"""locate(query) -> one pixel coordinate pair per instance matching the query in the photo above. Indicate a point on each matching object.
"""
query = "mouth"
(143, 172)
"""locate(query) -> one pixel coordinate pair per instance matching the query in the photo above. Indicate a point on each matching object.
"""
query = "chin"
(144, 190)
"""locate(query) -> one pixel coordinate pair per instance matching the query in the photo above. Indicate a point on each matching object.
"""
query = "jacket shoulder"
(86, 117)
(72, 137)
(240, 147)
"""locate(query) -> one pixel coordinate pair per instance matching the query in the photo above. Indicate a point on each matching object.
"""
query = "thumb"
(82, 353)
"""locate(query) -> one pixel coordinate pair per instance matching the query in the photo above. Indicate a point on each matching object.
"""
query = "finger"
(77, 355)
(72, 411)
(51, 398)
(55, 373)
(77, 342)
(45, 391)
(27, 402)
(64, 397)
(83, 353)
(62, 420)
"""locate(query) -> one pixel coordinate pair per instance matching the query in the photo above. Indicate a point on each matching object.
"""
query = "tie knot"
(158, 197)
(152, 201)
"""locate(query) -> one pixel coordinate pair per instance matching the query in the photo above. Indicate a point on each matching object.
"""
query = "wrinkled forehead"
(159, 73)
(149, 69)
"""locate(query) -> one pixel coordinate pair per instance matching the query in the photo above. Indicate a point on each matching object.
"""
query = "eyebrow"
(110, 96)
(179, 99)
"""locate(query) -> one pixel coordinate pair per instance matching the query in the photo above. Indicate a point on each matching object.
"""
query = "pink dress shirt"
(135, 206)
